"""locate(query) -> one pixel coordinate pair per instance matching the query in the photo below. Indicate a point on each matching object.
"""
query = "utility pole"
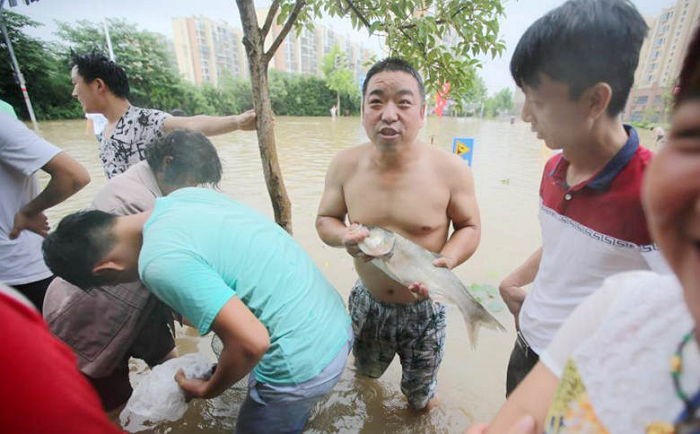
(18, 72)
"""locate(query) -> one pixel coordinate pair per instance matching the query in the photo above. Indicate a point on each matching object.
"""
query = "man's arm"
(526, 425)
(67, 177)
(332, 210)
(245, 340)
(211, 125)
(511, 288)
(191, 287)
(463, 211)
(532, 397)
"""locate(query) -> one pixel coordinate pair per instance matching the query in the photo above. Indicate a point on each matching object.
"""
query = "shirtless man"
(400, 183)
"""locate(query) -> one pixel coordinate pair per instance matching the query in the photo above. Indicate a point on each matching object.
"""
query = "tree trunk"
(254, 45)
(337, 105)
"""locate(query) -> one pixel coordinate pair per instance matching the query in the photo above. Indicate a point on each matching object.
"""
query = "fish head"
(380, 242)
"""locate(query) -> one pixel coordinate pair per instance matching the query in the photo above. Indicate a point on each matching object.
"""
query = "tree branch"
(274, 7)
(291, 19)
(360, 15)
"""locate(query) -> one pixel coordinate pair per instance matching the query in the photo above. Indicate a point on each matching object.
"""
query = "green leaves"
(45, 70)
(336, 70)
(442, 39)
(488, 296)
(501, 102)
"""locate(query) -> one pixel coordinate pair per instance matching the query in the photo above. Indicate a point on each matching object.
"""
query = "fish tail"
(473, 332)
(489, 321)
(483, 318)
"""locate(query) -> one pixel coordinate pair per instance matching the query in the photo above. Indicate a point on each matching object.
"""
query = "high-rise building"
(303, 53)
(661, 60)
(208, 51)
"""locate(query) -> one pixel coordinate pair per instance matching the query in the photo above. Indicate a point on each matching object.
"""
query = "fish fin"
(484, 318)
(473, 332)
(379, 263)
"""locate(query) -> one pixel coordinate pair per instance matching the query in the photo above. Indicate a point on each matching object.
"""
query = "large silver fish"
(406, 262)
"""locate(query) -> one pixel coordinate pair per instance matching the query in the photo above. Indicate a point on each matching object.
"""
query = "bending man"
(109, 324)
(228, 269)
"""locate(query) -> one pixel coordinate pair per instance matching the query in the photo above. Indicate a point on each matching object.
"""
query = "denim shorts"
(416, 332)
(270, 408)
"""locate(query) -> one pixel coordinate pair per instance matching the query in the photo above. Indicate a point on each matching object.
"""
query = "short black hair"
(581, 43)
(194, 158)
(96, 65)
(394, 64)
(79, 242)
(689, 79)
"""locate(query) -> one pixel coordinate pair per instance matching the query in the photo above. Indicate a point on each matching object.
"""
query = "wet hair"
(79, 242)
(194, 160)
(394, 64)
(689, 79)
(581, 43)
(96, 65)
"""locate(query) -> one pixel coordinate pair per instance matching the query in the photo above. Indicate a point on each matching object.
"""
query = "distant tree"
(651, 115)
(415, 29)
(43, 68)
(501, 102)
(477, 92)
(474, 98)
(339, 77)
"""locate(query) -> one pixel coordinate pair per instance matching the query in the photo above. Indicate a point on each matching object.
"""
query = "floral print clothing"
(126, 145)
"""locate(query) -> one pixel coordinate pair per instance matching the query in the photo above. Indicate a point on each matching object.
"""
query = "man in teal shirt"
(228, 269)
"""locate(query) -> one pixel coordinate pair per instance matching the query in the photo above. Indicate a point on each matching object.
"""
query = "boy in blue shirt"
(228, 269)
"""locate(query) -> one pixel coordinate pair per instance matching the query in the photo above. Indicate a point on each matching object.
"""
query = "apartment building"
(208, 51)
(661, 60)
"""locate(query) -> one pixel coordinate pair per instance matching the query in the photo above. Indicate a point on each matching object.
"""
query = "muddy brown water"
(508, 161)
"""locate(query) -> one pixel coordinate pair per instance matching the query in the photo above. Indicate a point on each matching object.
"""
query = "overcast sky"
(156, 15)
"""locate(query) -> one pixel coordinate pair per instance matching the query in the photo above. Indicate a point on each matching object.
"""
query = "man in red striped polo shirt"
(576, 66)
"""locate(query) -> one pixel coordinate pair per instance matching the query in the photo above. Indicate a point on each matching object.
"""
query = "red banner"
(441, 99)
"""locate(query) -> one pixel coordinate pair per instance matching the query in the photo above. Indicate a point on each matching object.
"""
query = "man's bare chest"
(410, 203)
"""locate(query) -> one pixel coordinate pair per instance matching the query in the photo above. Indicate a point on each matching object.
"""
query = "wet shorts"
(416, 332)
(154, 342)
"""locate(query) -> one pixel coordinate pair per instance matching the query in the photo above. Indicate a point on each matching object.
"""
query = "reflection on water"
(507, 165)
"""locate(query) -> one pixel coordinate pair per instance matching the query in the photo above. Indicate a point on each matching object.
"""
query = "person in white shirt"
(22, 219)
(628, 359)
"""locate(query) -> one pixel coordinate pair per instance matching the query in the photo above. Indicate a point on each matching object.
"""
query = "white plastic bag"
(158, 398)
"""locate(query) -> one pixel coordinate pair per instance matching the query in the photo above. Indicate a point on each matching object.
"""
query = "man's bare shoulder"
(346, 161)
(354, 153)
(447, 163)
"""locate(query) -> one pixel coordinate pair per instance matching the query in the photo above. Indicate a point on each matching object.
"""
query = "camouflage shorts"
(416, 332)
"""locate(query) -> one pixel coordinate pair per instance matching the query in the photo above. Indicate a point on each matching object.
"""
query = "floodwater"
(507, 165)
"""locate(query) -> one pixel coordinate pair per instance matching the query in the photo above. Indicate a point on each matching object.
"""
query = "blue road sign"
(464, 147)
